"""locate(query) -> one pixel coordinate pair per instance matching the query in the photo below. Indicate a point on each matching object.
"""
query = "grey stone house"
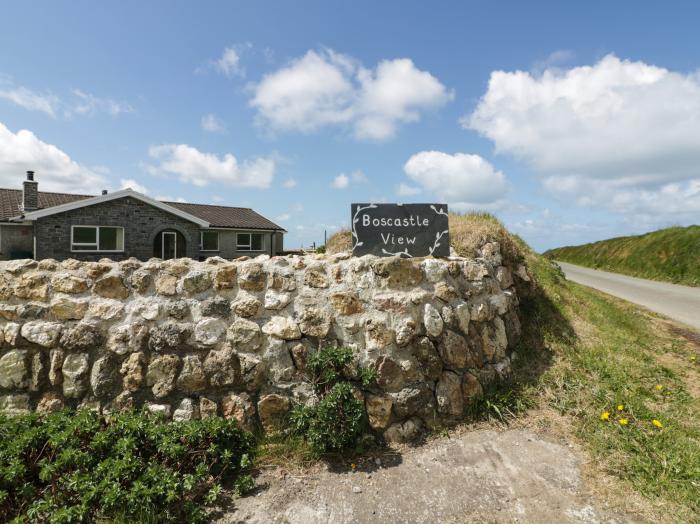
(123, 224)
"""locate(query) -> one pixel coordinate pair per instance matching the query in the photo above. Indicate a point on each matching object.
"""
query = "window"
(97, 238)
(249, 242)
(209, 241)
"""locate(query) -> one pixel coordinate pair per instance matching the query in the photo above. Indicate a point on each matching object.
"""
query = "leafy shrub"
(336, 423)
(81, 466)
(338, 420)
(328, 367)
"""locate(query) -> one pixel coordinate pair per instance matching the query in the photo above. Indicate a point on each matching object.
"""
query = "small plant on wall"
(337, 421)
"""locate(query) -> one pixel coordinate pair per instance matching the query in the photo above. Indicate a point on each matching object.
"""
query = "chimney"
(30, 193)
(104, 191)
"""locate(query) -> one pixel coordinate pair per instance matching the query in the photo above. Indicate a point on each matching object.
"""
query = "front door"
(169, 245)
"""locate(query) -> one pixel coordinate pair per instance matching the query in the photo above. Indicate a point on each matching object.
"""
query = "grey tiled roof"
(217, 216)
(224, 216)
(11, 201)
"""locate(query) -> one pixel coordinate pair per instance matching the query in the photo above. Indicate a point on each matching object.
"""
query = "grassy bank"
(621, 381)
(626, 381)
(670, 255)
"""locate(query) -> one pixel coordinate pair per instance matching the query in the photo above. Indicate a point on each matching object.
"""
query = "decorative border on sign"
(355, 220)
(404, 252)
(439, 235)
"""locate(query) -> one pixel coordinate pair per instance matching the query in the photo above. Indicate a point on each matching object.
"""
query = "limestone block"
(14, 369)
(42, 333)
(432, 321)
(282, 327)
(75, 374)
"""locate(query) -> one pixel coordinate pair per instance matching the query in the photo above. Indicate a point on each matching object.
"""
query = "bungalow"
(123, 224)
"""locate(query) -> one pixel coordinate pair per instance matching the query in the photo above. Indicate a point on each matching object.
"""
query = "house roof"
(215, 216)
(224, 216)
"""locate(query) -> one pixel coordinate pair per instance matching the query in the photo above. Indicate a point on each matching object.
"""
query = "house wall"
(227, 244)
(15, 239)
(141, 223)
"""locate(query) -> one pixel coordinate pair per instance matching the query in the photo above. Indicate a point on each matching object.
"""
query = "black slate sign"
(409, 230)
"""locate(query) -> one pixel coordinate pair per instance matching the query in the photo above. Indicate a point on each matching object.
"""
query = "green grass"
(600, 353)
(670, 255)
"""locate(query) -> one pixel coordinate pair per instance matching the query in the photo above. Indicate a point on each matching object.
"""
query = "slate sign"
(408, 230)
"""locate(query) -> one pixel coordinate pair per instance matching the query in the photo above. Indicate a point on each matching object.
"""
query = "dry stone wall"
(194, 339)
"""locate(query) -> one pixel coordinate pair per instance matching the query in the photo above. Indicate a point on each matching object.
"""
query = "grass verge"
(626, 381)
(669, 255)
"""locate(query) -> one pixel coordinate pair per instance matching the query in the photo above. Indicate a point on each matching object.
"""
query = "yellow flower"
(659, 387)
(623, 421)
(657, 423)
(620, 407)
(353, 466)
(605, 415)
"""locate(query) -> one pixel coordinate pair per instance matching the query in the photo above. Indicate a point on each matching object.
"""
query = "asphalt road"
(681, 303)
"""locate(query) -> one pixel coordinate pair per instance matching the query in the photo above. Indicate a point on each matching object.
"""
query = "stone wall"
(193, 339)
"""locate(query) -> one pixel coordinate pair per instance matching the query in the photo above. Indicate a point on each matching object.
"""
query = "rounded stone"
(82, 336)
(209, 331)
(111, 286)
(42, 333)
(432, 321)
(272, 410)
(161, 374)
(244, 335)
(67, 283)
(75, 373)
(192, 377)
(282, 327)
(14, 369)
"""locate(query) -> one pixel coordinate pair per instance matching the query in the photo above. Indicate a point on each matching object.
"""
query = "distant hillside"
(671, 255)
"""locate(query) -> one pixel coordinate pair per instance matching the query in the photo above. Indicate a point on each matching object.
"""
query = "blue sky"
(570, 123)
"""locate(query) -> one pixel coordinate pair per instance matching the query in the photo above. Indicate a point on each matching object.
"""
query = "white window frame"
(201, 241)
(248, 247)
(75, 247)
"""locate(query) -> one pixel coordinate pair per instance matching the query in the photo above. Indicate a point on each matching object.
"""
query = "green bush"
(81, 466)
(327, 367)
(334, 424)
(338, 420)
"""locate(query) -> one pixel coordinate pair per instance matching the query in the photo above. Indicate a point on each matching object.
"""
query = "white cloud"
(30, 100)
(88, 104)
(55, 170)
(407, 190)
(168, 198)
(342, 181)
(327, 88)
(283, 217)
(229, 62)
(608, 134)
(82, 103)
(290, 183)
(212, 124)
(125, 183)
(192, 166)
(462, 180)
